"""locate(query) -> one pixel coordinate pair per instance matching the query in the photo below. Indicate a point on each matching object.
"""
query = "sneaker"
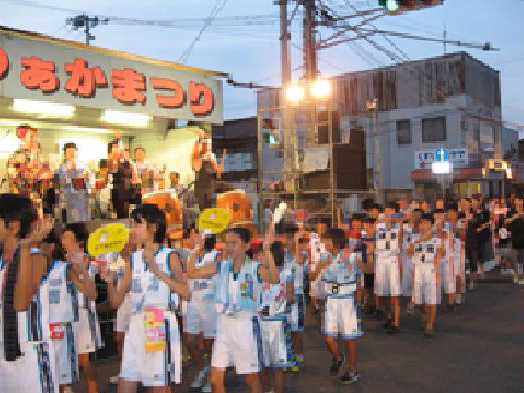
(521, 281)
(207, 388)
(348, 378)
(335, 366)
(393, 329)
(199, 380)
(114, 380)
(294, 369)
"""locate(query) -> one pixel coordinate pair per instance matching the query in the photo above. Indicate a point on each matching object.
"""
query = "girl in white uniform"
(151, 355)
(201, 318)
(298, 267)
(26, 358)
(86, 327)
(121, 322)
(63, 312)
(275, 310)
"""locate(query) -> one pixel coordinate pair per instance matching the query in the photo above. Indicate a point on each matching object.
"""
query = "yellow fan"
(214, 220)
(108, 239)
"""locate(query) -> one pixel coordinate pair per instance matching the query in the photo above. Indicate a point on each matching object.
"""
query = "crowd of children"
(239, 303)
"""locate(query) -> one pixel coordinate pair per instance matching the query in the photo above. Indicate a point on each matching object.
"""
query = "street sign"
(458, 157)
(442, 155)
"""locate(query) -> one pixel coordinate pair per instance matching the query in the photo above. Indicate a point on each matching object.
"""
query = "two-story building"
(407, 112)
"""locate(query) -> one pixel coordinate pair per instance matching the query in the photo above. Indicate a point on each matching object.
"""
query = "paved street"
(478, 348)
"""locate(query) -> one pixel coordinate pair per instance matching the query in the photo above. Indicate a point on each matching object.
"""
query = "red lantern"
(22, 131)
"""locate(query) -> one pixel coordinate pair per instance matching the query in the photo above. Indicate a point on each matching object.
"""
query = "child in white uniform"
(427, 254)
(151, 355)
(342, 317)
(26, 358)
(296, 263)
(87, 328)
(201, 318)
(275, 309)
(388, 267)
(238, 282)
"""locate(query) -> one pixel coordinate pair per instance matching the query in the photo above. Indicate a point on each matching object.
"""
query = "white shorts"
(425, 289)
(298, 312)
(152, 369)
(340, 319)
(87, 332)
(407, 276)
(277, 343)
(201, 317)
(448, 278)
(387, 276)
(66, 356)
(123, 315)
(238, 343)
(33, 372)
(316, 289)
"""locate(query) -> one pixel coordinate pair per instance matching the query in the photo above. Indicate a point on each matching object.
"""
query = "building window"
(434, 130)
(404, 132)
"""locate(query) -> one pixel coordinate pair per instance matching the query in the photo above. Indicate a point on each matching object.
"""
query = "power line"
(219, 6)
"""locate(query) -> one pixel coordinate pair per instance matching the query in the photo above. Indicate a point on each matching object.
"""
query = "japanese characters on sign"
(43, 70)
(424, 159)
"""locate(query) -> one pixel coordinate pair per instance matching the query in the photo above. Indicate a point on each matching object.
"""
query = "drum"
(238, 203)
(171, 206)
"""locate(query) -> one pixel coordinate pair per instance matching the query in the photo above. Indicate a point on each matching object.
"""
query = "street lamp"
(320, 89)
(295, 93)
(312, 92)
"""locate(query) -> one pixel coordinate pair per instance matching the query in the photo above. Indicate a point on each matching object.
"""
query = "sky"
(252, 52)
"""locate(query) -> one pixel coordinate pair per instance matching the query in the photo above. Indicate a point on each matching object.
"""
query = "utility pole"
(310, 42)
(287, 125)
(87, 23)
(284, 44)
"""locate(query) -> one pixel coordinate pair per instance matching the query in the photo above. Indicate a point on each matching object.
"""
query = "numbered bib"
(57, 331)
(154, 329)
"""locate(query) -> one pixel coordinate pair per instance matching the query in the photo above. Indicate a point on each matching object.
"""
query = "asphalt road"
(478, 348)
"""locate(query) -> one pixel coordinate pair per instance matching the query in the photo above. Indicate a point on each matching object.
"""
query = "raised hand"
(106, 274)
(42, 229)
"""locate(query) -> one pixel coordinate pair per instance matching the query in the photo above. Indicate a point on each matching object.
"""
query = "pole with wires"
(87, 23)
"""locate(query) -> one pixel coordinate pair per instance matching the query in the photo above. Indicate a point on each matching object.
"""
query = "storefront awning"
(40, 68)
